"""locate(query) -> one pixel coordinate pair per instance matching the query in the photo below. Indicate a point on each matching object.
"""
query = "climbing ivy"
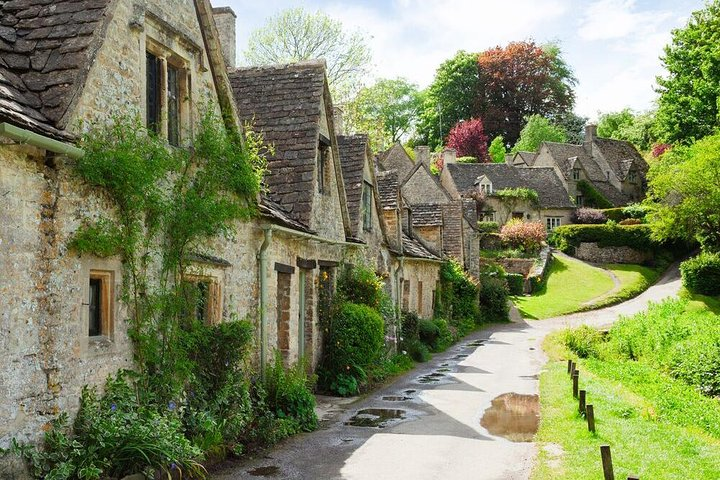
(512, 198)
(592, 198)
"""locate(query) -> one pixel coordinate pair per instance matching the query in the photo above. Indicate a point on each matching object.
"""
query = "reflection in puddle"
(444, 364)
(375, 417)
(478, 343)
(408, 392)
(396, 398)
(268, 471)
(443, 370)
(431, 377)
(513, 416)
(463, 355)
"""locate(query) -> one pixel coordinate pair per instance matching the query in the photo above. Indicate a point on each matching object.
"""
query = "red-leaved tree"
(520, 80)
(469, 140)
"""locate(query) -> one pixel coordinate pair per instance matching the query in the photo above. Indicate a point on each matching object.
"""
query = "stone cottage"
(64, 63)
(614, 168)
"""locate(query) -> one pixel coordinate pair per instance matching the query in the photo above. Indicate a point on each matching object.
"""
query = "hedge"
(634, 210)
(516, 283)
(634, 236)
(701, 274)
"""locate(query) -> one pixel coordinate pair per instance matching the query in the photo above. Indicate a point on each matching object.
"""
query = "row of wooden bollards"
(588, 411)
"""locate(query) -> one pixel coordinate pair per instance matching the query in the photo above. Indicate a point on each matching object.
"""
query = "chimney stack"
(422, 154)
(449, 156)
(590, 132)
(338, 121)
(225, 21)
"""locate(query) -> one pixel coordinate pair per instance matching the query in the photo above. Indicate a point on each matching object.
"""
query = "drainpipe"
(36, 140)
(262, 277)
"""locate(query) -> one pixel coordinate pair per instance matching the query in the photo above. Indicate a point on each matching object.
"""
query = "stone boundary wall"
(591, 252)
(539, 271)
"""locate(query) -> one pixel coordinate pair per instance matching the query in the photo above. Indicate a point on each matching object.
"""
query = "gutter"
(36, 140)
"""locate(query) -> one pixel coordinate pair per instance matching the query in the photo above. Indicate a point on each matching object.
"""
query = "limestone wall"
(422, 277)
(590, 252)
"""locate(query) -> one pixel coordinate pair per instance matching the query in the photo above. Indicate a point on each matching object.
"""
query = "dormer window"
(576, 174)
(632, 176)
(486, 188)
(607, 174)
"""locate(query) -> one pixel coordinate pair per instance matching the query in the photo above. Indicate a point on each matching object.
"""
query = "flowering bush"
(589, 216)
(469, 140)
(526, 235)
(660, 148)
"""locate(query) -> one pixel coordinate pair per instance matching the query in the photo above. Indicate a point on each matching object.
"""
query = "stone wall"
(418, 271)
(590, 252)
(453, 231)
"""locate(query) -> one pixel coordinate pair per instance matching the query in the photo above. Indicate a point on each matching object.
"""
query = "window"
(576, 174)
(607, 174)
(578, 200)
(166, 84)
(204, 299)
(100, 304)
(367, 206)
(486, 188)
(632, 176)
(552, 223)
(518, 215)
(487, 216)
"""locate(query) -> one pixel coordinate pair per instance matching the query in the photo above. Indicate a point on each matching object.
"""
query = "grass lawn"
(570, 284)
(634, 279)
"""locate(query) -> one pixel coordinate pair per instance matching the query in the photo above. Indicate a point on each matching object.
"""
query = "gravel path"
(438, 432)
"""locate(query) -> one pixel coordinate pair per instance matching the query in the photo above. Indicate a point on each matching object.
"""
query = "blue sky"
(612, 45)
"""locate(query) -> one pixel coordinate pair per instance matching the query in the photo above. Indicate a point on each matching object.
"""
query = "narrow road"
(427, 424)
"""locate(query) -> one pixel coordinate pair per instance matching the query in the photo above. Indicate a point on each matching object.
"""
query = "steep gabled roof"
(388, 187)
(284, 103)
(275, 213)
(549, 187)
(528, 158)
(620, 155)
(47, 50)
(415, 249)
(353, 155)
(396, 158)
(426, 215)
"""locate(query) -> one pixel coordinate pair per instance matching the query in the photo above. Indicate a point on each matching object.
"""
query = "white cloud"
(614, 19)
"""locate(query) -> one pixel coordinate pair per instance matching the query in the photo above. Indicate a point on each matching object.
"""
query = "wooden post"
(570, 362)
(581, 406)
(590, 415)
(575, 380)
(607, 462)
(573, 365)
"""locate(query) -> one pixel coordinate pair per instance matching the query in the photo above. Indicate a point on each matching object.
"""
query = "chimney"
(590, 132)
(422, 154)
(339, 121)
(225, 22)
(449, 156)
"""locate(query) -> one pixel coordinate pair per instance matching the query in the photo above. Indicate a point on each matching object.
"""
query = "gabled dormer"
(484, 185)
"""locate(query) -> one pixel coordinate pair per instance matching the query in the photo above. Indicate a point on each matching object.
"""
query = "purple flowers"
(113, 407)
(172, 405)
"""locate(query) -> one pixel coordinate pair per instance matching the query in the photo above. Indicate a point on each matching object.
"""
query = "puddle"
(375, 417)
(396, 398)
(443, 370)
(513, 416)
(269, 471)
(463, 355)
(408, 392)
(444, 364)
(431, 377)
(529, 377)
(478, 343)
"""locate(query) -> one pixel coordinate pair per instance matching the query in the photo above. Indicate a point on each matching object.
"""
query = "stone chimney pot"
(422, 154)
(225, 21)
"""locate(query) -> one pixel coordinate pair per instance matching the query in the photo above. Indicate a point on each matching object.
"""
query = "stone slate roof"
(353, 155)
(549, 187)
(543, 180)
(388, 186)
(275, 213)
(396, 158)
(46, 50)
(620, 155)
(527, 157)
(413, 248)
(284, 102)
(426, 215)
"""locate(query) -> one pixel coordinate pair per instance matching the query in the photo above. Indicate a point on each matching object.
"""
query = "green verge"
(657, 427)
(561, 293)
(634, 279)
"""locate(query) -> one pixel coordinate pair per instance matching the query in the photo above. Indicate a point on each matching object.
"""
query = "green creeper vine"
(592, 198)
(514, 197)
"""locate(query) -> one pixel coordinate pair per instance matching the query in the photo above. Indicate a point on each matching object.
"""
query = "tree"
(469, 140)
(636, 128)
(688, 103)
(386, 110)
(573, 125)
(684, 193)
(497, 150)
(537, 130)
(520, 80)
(449, 99)
(295, 34)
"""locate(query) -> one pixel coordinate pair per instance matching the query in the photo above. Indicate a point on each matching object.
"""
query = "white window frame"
(551, 223)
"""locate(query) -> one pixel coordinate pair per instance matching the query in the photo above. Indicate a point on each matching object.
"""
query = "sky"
(613, 46)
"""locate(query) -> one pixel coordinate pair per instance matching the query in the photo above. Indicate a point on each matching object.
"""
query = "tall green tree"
(497, 150)
(573, 125)
(386, 110)
(636, 128)
(520, 80)
(449, 99)
(538, 129)
(295, 35)
(689, 93)
(684, 191)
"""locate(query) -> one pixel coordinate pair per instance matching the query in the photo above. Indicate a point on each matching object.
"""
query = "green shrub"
(637, 211)
(355, 341)
(114, 435)
(359, 284)
(417, 350)
(616, 214)
(516, 283)
(445, 336)
(289, 393)
(493, 299)
(410, 325)
(584, 341)
(457, 298)
(591, 197)
(428, 333)
(696, 361)
(630, 221)
(634, 236)
(488, 227)
(701, 274)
